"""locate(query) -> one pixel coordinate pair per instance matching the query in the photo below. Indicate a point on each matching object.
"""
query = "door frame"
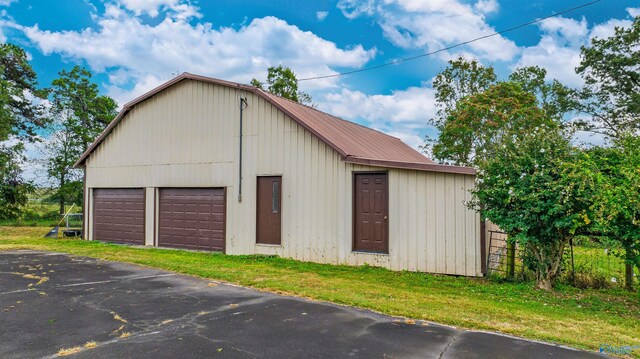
(353, 210)
(156, 214)
(93, 210)
(257, 209)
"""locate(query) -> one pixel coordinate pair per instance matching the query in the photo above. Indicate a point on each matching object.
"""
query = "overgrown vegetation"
(581, 318)
(534, 181)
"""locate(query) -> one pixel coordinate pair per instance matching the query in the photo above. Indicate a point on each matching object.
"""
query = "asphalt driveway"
(51, 301)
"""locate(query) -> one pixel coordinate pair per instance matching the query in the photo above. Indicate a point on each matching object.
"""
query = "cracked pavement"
(95, 308)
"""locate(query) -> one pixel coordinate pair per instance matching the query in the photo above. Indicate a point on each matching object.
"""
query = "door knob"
(385, 217)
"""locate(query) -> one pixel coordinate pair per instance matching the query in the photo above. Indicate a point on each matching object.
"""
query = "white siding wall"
(187, 136)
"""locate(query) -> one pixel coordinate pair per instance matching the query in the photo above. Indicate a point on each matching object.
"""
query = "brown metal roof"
(355, 143)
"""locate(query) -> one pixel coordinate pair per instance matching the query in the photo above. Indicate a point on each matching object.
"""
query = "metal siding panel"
(441, 225)
(149, 216)
(473, 259)
(430, 221)
(460, 231)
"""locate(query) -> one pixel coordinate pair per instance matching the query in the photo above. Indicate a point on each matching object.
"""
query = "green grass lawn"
(581, 318)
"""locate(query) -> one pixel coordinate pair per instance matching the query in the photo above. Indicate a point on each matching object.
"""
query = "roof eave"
(428, 167)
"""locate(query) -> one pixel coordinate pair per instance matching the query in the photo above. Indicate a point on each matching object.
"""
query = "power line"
(395, 62)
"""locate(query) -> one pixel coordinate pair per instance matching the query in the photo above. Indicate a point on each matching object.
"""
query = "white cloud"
(567, 32)
(403, 113)
(7, 2)
(433, 25)
(351, 9)
(558, 49)
(154, 7)
(487, 6)
(321, 15)
(633, 11)
(607, 29)
(156, 52)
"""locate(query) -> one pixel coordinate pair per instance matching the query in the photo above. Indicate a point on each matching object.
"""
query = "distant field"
(39, 213)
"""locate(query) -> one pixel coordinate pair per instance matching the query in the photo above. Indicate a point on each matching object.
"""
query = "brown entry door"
(371, 212)
(269, 211)
(192, 218)
(118, 215)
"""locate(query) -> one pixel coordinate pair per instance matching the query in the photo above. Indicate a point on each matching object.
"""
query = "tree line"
(63, 118)
(535, 180)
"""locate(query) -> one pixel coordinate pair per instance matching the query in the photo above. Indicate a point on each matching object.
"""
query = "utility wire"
(395, 62)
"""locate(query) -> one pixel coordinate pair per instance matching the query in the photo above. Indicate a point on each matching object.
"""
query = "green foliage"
(79, 107)
(282, 81)
(611, 70)
(474, 108)
(13, 190)
(533, 189)
(80, 114)
(460, 79)
(552, 97)
(615, 176)
(20, 117)
(481, 121)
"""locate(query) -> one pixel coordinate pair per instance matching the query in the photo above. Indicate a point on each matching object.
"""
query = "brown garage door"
(192, 218)
(118, 215)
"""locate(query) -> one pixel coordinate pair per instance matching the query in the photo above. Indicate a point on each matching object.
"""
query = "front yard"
(585, 319)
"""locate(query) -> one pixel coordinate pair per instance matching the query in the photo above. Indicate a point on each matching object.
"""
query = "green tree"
(534, 190)
(461, 78)
(282, 81)
(20, 118)
(462, 135)
(480, 122)
(554, 98)
(13, 189)
(611, 95)
(79, 114)
(615, 174)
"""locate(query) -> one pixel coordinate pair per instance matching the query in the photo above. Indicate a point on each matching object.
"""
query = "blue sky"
(135, 45)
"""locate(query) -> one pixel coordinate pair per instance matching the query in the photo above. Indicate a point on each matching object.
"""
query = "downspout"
(243, 105)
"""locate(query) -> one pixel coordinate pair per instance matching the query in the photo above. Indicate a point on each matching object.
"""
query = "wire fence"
(584, 266)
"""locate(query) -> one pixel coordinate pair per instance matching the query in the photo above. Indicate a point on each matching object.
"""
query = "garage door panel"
(119, 215)
(192, 218)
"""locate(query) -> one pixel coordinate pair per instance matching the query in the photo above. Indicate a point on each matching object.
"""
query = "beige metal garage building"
(201, 163)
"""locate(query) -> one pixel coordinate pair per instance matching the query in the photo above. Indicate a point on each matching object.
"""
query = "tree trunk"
(628, 276)
(544, 283)
(628, 269)
(61, 194)
(549, 264)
